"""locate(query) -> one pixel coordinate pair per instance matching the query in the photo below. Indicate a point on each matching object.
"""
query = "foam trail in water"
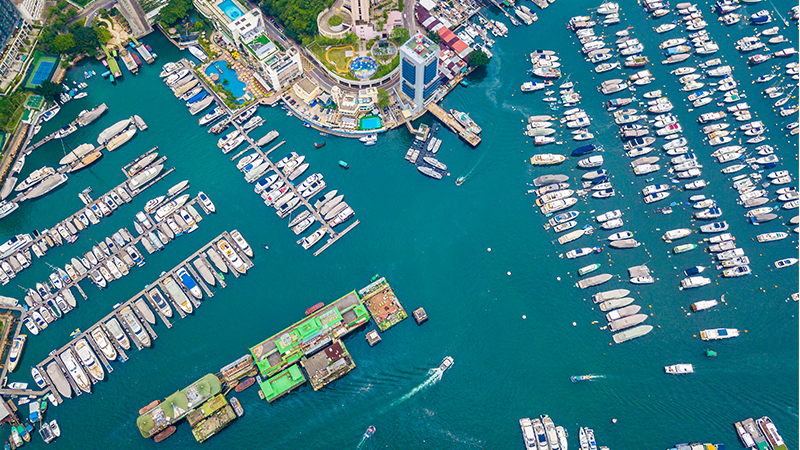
(434, 375)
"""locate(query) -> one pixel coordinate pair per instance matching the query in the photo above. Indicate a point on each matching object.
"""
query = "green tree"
(62, 5)
(85, 39)
(63, 43)
(103, 35)
(434, 37)
(478, 59)
(198, 26)
(383, 98)
(400, 35)
(48, 90)
(298, 17)
(175, 10)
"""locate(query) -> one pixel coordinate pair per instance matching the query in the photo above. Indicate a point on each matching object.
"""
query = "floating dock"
(88, 202)
(140, 312)
(304, 201)
(453, 124)
(382, 304)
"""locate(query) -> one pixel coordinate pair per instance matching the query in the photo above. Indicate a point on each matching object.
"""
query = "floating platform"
(420, 316)
(310, 335)
(382, 304)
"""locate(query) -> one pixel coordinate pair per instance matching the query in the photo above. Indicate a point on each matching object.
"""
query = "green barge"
(177, 406)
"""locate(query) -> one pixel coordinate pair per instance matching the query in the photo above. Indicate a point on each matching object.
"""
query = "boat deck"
(314, 332)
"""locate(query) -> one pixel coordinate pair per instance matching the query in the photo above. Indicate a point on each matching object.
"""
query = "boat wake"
(434, 375)
(463, 178)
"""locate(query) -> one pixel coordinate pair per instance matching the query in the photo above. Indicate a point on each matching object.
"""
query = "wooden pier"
(453, 124)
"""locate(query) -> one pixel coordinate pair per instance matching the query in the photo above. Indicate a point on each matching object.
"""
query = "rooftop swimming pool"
(230, 9)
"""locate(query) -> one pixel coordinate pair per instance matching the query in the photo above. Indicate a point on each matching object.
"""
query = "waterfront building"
(247, 30)
(327, 365)
(282, 68)
(419, 69)
(352, 104)
(306, 90)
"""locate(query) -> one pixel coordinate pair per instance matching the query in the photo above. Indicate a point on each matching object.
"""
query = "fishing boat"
(679, 369)
(237, 407)
(178, 296)
(189, 283)
(75, 371)
(231, 256)
(579, 378)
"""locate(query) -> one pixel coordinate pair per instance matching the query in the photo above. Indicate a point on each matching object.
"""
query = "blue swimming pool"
(233, 85)
(230, 9)
(371, 123)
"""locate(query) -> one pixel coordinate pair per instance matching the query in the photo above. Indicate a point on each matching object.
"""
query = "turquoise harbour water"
(430, 239)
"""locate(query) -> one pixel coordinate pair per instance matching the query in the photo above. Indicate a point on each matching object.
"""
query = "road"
(89, 12)
(409, 21)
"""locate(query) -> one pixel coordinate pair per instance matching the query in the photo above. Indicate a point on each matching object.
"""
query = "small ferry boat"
(369, 432)
(719, 333)
(245, 384)
(343, 164)
(447, 363)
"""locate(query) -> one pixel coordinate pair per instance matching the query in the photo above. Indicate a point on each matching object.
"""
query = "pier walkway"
(304, 201)
(140, 311)
(453, 124)
(88, 202)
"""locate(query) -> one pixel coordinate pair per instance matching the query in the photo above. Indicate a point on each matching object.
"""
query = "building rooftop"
(282, 383)
(291, 344)
(328, 365)
(261, 46)
(420, 45)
